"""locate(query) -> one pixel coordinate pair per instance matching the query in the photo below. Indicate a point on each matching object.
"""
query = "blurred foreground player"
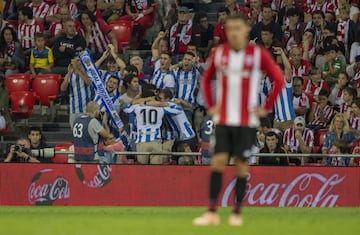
(238, 67)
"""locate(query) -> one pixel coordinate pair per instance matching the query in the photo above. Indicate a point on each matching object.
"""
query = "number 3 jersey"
(149, 120)
(206, 132)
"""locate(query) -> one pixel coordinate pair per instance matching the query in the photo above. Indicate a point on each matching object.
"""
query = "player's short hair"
(266, 5)
(168, 94)
(240, 17)
(314, 70)
(132, 69)
(91, 106)
(310, 31)
(189, 53)
(138, 58)
(127, 79)
(318, 12)
(351, 91)
(266, 28)
(223, 9)
(331, 28)
(27, 11)
(293, 11)
(299, 78)
(148, 86)
(34, 128)
(165, 53)
(323, 93)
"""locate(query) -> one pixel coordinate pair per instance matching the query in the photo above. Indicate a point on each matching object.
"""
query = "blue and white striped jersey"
(284, 108)
(186, 82)
(80, 94)
(114, 99)
(163, 80)
(265, 88)
(149, 120)
(104, 74)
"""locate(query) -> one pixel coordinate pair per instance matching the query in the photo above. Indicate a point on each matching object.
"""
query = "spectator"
(4, 103)
(298, 139)
(187, 78)
(317, 24)
(233, 7)
(159, 46)
(41, 57)
(138, 62)
(53, 14)
(339, 129)
(313, 86)
(293, 30)
(301, 101)
(333, 65)
(57, 28)
(164, 77)
(86, 133)
(112, 145)
(91, 5)
(27, 29)
(20, 152)
(308, 45)
(267, 20)
(355, 48)
(263, 129)
(206, 34)
(269, 42)
(112, 10)
(340, 147)
(142, 13)
(12, 57)
(299, 66)
(284, 109)
(40, 9)
(207, 130)
(254, 14)
(346, 28)
(327, 7)
(284, 16)
(353, 115)
(337, 93)
(66, 46)
(79, 85)
(273, 145)
(149, 120)
(349, 96)
(182, 33)
(219, 29)
(320, 113)
(96, 33)
(111, 86)
(37, 142)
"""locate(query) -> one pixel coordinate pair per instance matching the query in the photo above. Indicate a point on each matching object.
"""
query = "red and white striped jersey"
(238, 75)
(54, 9)
(98, 40)
(55, 28)
(26, 33)
(326, 7)
(327, 111)
(354, 122)
(302, 70)
(301, 101)
(343, 107)
(39, 11)
(293, 144)
(312, 90)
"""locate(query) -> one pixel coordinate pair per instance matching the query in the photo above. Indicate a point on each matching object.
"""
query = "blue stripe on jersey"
(189, 129)
(173, 125)
(72, 99)
(184, 89)
(147, 136)
(284, 109)
(157, 134)
(79, 91)
(193, 85)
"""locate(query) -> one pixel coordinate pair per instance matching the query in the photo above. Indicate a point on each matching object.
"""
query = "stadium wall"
(121, 185)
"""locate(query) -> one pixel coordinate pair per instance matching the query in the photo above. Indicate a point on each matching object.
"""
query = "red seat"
(46, 89)
(123, 32)
(22, 104)
(61, 158)
(14, 83)
(52, 76)
(25, 76)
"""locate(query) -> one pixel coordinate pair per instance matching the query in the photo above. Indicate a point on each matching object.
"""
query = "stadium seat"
(25, 76)
(16, 82)
(46, 89)
(22, 104)
(61, 158)
(123, 32)
(319, 140)
(52, 76)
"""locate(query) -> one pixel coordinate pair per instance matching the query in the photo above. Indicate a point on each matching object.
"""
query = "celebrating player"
(238, 67)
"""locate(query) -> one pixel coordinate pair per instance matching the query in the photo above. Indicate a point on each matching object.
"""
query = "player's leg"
(218, 162)
(246, 136)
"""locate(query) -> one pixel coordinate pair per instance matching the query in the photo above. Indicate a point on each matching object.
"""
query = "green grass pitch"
(175, 221)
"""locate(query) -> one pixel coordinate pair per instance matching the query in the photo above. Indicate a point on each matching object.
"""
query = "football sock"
(215, 187)
(240, 188)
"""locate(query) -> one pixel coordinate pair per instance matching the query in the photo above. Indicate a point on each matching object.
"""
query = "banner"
(137, 185)
(94, 76)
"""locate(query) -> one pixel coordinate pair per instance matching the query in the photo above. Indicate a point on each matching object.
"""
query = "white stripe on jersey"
(163, 80)
(54, 9)
(149, 120)
(105, 75)
(186, 82)
(156, 63)
(39, 11)
(26, 33)
(98, 41)
(264, 89)
(293, 143)
(284, 108)
(180, 124)
(80, 94)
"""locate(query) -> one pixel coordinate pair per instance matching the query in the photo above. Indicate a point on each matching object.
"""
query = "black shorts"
(237, 141)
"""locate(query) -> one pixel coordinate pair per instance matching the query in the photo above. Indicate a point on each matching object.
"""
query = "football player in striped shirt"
(111, 86)
(164, 77)
(206, 133)
(148, 121)
(238, 66)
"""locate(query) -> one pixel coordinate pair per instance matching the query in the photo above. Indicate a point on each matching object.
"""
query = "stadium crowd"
(159, 99)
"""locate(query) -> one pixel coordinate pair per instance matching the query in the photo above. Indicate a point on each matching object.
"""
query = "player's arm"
(102, 58)
(155, 46)
(183, 103)
(206, 80)
(65, 82)
(274, 72)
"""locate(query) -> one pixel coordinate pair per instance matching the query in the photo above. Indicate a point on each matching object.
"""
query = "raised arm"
(155, 46)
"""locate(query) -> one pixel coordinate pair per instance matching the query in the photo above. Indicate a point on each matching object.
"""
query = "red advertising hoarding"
(121, 185)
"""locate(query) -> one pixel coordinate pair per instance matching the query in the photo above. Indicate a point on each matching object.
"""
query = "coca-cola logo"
(46, 188)
(100, 179)
(306, 190)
